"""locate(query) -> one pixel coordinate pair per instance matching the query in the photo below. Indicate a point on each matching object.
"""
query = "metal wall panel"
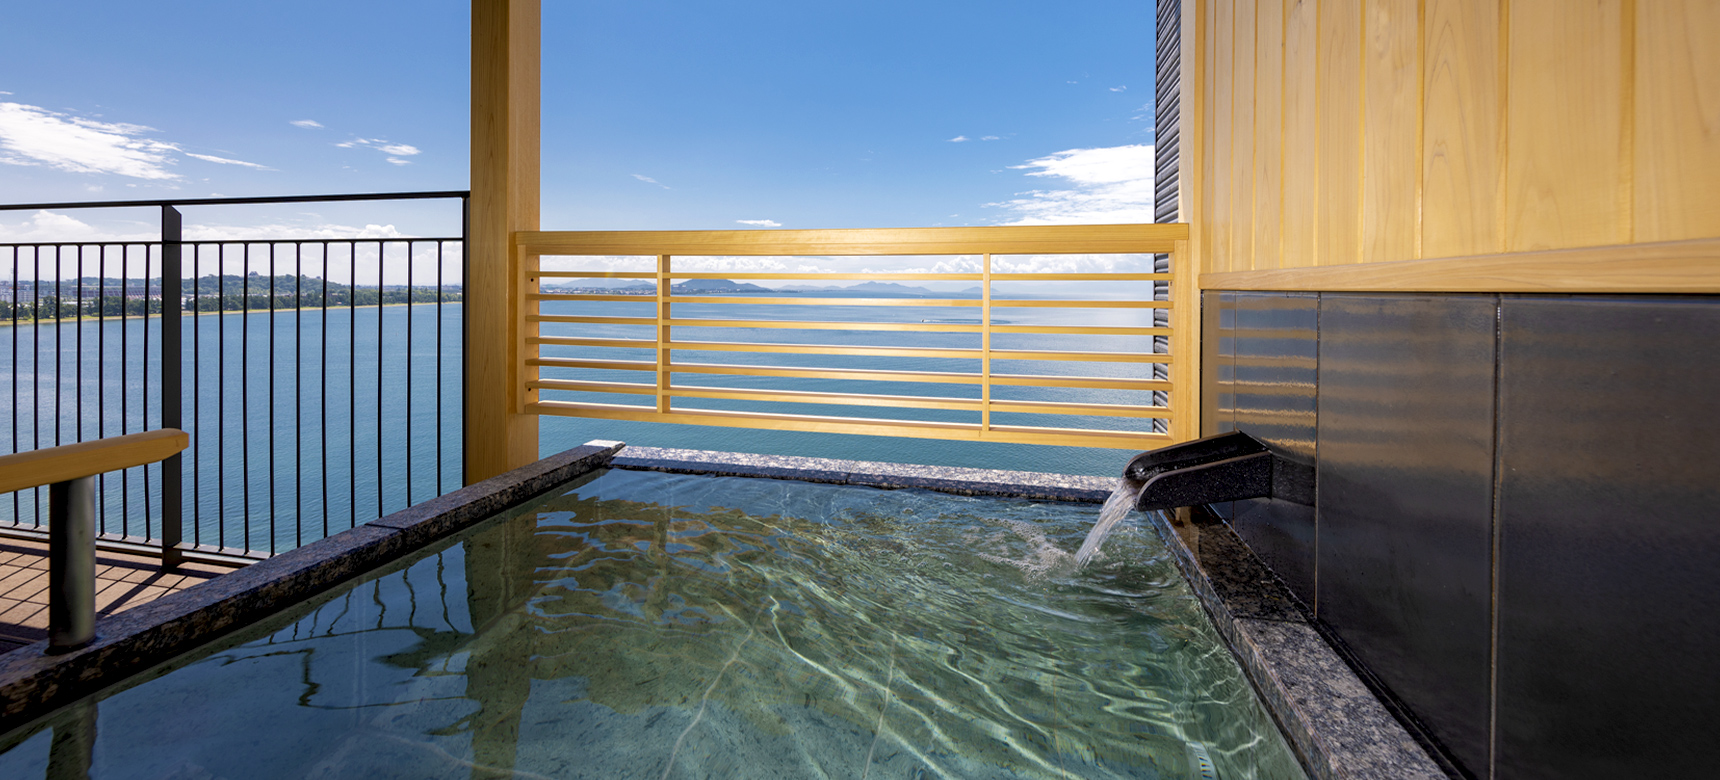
(1217, 362)
(1218, 370)
(1276, 347)
(1405, 499)
(1609, 511)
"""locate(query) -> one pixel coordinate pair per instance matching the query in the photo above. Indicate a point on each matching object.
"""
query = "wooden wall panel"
(1194, 127)
(1267, 246)
(1677, 117)
(1565, 157)
(1301, 169)
(1221, 186)
(1360, 131)
(1242, 137)
(1338, 117)
(1391, 122)
(1462, 131)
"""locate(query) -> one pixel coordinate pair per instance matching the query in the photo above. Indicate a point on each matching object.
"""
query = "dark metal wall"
(1517, 514)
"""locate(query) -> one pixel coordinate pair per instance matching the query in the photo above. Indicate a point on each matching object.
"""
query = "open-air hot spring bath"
(639, 624)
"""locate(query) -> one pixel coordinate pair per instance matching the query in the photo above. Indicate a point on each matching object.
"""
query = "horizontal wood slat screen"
(649, 369)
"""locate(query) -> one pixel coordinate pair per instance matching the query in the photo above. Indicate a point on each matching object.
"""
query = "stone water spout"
(1225, 467)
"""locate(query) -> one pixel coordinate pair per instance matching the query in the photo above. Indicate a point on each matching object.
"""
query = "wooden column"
(1185, 344)
(506, 44)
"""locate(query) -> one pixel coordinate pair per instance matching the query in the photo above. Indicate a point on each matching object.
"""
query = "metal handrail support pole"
(69, 471)
(71, 563)
(172, 377)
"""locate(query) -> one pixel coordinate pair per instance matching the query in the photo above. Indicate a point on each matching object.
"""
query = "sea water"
(288, 450)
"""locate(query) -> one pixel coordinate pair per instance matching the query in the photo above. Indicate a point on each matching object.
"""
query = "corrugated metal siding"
(1167, 92)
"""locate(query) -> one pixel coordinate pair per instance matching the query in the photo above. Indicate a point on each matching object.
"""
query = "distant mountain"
(890, 287)
(717, 286)
(884, 288)
(689, 287)
(601, 284)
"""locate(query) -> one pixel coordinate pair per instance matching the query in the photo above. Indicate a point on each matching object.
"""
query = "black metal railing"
(321, 379)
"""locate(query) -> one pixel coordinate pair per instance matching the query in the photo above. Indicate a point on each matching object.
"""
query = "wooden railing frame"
(1183, 358)
(70, 472)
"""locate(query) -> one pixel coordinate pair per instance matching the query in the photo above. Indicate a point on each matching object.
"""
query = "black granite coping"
(944, 479)
(1333, 721)
(33, 682)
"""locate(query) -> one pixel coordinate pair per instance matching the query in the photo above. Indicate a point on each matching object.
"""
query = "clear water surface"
(666, 626)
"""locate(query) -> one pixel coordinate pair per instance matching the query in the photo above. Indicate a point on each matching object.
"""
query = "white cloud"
(989, 138)
(759, 222)
(393, 150)
(959, 139)
(283, 231)
(49, 226)
(31, 135)
(4, 92)
(225, 161)
(1104, 185)
(755, 265)
(45, 226)
(649, 180)
(308, 124)
(1120, 89)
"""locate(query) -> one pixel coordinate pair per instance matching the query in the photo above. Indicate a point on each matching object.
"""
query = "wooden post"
(1185, 345)
(1189, 260)
(506, 43)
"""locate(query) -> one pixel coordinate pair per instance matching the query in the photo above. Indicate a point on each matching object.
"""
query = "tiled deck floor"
(122, 582)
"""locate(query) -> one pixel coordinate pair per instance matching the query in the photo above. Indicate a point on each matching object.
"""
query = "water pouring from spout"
(1116, 508)
(1223, 467)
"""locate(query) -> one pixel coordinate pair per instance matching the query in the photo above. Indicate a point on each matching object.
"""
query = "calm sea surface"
(371, 388)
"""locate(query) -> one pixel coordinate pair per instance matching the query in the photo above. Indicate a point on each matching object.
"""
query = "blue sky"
(657, 115)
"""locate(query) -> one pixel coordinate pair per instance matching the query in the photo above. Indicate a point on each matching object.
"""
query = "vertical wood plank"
(1338, 112)
(1185, 373)
(1242, 138)
(1221, 185)
(1301, 162)
(506, 39)
(1194, 130)
(1267, 249)
(1563, 112)
(1391, 148)
(664, 334)
(1461, 132)
(1677, 120)
(985, 344)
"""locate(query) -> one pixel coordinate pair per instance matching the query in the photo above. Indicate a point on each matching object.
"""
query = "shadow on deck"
(122, 581)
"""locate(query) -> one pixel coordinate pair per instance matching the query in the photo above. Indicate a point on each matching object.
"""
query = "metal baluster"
(323, 395)
(245, 393)
(269, 435)
(172, 399)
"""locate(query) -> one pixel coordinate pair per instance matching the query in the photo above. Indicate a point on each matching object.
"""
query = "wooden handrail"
(48, 465)
(997, 240)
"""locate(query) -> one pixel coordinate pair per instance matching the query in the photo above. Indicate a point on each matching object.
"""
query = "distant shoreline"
(115, 317)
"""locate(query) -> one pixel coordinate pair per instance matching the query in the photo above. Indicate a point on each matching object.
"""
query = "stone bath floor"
(123, 581)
